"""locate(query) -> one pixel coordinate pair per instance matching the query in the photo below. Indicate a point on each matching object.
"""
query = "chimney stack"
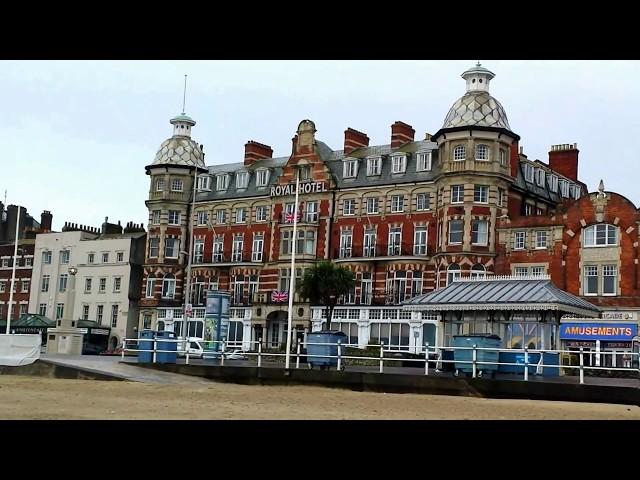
(353, 140)
(563, 159)
(401, 133)
(254, 151)
(46, 220)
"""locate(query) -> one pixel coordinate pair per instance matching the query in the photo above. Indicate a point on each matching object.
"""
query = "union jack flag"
(288, 217)
(278, 297)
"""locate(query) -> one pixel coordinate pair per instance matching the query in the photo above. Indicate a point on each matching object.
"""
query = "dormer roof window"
(398, 163)
(222, 180)
(262, 177)
(350, 168)
(242, 180)
(374, 165)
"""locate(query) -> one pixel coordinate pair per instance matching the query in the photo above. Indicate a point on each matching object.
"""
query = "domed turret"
(477, 107)
(180, 149)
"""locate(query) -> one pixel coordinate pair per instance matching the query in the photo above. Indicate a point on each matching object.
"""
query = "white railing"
(433, 358)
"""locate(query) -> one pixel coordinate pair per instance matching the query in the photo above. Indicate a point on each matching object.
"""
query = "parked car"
(235, 354)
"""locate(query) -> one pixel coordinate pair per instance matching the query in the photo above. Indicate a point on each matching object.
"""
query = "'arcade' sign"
(307, 187)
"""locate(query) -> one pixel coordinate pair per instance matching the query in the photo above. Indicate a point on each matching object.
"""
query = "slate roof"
(502, 294)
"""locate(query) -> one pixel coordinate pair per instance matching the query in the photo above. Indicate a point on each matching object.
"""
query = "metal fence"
(433, 358)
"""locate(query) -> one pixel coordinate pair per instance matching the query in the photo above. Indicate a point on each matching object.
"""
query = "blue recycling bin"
(319, 345)
(146, 344)
(551, 361)
(466, 355)
(170, 349)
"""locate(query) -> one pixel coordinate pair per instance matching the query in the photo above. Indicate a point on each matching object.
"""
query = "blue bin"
(466, 355)
(315, 352)
(147, 344)
(170, 356)
(548, 358)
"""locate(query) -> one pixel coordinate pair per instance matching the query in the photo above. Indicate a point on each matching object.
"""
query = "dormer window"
(459, 153)
(424, 162)
(222, 182)
(577, 192)
(553, 183)
(374, 165)
(203, 183)
(304, 172)
(564, 188)
(398, 163)
(242, 180)
(540, 177)
(482, 153)
(262, 178)
(350, 169)
(528, 172)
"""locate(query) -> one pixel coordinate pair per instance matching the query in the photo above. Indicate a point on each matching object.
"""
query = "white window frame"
(374, 166)
(459, 153)
(153, 240)
(350, 169)
(425, 199)
(221, 216)
(606, 272)
(476, 223)
(262, 177)
(540, 177)
(114, 315)
(553, 183)
(461, 232)
(594, 228)
(88, 283)
(198, 250)
(540, 235)
(102, 284)
(155, 217)
(242, 180)
(398, 163)
(528, 172)
(99, 314)
(44, 283)
(241, 215)
(420, 239)
(478, 196)
(159, 184)
(168, 287)
(262, 217)
(174, 219)
(394, 243)
(564, 188)
(482, 153)
(458, 197)
(202, 183)
(423, 162)
(502, 156)
(519, 240)
(151, 286)
(175, 250)
(202, 217)
(257, 247)
(46, 257)
(593, 271)
(222, 182)
(177, 185)
(373, 201)
(397, 203)
(352, 203)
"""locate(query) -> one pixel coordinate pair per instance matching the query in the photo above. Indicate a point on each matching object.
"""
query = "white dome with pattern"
(179, 150)
(476, 109)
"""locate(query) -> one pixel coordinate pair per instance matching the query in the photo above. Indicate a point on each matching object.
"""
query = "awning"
(502, 294)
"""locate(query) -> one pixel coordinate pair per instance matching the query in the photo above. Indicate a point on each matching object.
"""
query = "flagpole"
(292, 281)
(13, 272)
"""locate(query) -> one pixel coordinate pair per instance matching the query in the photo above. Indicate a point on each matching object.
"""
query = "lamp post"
(13, 272)
(292, 280)
(187, 306)
(67, 320)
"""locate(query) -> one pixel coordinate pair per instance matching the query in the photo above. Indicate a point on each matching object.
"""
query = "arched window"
(459, 153)
(151, 285)
(602, 235)
(453, 272)
(482, 152)
(477, 271)
(169, 286)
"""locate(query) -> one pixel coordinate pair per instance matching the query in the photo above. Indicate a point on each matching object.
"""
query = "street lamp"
(13, 272)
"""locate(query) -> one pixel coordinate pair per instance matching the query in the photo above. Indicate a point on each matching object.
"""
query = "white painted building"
(107, 282)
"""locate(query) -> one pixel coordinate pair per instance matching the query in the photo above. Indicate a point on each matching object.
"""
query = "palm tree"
(323, 283)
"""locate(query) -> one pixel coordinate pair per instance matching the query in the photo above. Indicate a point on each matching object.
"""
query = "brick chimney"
(46, 219)
(353, 140)
(401, 133)
(563, 159)
(256, 151)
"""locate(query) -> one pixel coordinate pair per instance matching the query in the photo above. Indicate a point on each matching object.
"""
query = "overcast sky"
(76, 135)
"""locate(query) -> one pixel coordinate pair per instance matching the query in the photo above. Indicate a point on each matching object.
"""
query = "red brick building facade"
(407, 217)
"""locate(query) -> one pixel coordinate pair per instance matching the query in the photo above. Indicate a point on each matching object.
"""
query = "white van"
(196, 348)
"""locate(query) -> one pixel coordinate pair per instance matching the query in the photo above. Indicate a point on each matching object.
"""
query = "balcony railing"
(372, 251)
(236, 257)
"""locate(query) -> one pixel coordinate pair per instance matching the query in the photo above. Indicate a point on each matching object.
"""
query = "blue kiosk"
(216, 318)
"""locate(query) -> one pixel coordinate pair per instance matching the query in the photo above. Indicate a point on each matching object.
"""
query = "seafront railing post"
(298, 356)
(259, 352)
(426, 359)
(526, 364)
(124, 346)
(475, 359)
(381, 357)
(186, 349)
(339, 367)
(581, 366)
(155, 347)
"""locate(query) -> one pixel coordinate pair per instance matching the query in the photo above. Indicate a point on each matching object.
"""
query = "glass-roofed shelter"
(522, 311)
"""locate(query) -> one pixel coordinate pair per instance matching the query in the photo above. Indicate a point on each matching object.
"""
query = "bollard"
(124, 346)
(526, 364)
(474, 358)
(426, 359)
(381, 357)
(186, 349)
(222, 354)
(581, 366)
(339, 367)
(155, 347)
(259, 352)
(298, 356)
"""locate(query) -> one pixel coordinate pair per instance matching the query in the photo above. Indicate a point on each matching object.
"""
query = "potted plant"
(323, 284)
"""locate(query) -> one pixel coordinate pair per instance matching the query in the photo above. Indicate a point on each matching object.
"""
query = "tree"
(323, 283)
